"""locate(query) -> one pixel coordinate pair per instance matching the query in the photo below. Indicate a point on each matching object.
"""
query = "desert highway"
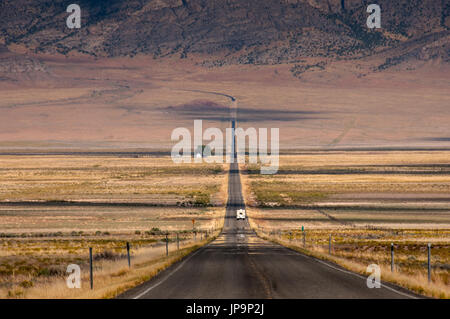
(240, 265)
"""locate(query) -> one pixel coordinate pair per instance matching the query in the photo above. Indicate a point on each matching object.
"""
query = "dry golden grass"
(110, 178)
(363, 158)
(33, 265)
(111, 277)
(317, 218)
(374, 178)
(100, 202)
(27, 220)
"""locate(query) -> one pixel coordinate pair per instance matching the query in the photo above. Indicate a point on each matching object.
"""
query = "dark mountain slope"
(235, 31)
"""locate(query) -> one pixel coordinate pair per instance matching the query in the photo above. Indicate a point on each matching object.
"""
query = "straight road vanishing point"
(240, 265)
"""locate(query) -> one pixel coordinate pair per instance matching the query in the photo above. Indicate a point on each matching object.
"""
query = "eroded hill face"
(227, 31)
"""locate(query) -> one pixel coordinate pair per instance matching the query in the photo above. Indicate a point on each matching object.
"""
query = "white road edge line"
(169, 275)
(364, 278)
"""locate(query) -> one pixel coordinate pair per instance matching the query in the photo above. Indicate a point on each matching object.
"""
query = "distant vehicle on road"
(240, 214)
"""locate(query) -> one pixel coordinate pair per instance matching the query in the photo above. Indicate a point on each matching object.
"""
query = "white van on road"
(240, 214)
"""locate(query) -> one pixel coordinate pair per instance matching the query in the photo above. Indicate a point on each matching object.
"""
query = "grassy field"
(35, 267)
(356, 177)
(110, 178)
(54, 221)
(365, 201)
(53, 208)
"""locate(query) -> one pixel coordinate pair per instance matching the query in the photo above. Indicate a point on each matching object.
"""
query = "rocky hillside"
(230, 31)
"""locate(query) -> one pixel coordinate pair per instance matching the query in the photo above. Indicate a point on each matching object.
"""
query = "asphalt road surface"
(240, 265)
